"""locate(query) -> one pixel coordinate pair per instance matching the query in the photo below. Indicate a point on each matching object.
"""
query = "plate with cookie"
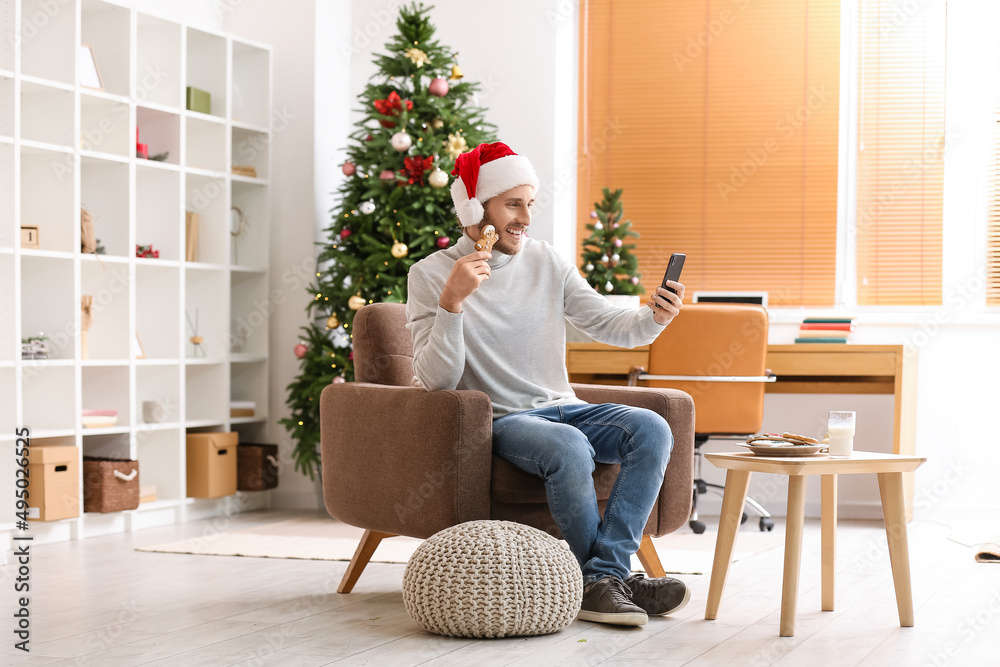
(785, 444)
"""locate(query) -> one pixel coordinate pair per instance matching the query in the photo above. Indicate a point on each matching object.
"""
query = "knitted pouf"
(492, 579)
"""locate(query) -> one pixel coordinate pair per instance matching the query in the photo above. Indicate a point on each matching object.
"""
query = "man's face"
(510, 213)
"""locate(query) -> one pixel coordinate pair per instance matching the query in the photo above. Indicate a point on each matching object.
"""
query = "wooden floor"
(99, 602)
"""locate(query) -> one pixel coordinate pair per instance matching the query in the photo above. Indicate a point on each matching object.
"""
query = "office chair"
(716, 353)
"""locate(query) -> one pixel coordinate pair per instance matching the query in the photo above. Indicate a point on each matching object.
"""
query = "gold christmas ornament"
(438, 178)
(437, 123)
(399, 250)
(456, 73)
(332, 322)
(355, 302)
(416, 56)
(455, 145)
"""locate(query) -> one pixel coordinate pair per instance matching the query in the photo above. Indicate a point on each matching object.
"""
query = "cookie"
(488, 238)
(801, 438)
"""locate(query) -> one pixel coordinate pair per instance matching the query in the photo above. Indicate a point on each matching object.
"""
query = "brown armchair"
(400, 460)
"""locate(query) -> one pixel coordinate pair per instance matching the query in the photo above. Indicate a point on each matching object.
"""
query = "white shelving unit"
(64, 146)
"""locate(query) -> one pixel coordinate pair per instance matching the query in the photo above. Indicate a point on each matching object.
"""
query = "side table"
(888, 467)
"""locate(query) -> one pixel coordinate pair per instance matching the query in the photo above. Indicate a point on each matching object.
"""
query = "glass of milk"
(841, 429)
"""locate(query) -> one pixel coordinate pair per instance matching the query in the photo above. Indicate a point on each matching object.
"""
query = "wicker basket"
(110, 485)
(256, 467)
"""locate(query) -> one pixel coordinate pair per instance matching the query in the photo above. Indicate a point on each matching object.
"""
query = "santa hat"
(486, 171)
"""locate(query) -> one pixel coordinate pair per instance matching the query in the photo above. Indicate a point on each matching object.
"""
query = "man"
(493, 322)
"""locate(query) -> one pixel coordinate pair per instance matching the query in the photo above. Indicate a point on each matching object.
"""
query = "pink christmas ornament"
(300, 350)
(344, 234)
(618, 243)
(338, 379)
(388, 175)
(593, 214)
(443, 242)
(349, 168)
(438, 87)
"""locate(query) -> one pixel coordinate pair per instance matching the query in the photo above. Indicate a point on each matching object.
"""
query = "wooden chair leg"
(649, 558)
(369, 542)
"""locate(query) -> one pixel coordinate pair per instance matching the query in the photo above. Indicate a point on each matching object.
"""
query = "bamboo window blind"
(719, 118)
(901, 143)
(993, 211)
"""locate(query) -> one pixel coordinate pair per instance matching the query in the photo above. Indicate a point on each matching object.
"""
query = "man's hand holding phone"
(667, 301)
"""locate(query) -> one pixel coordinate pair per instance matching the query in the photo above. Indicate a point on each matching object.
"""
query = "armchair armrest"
(677, 407)
(404, 460)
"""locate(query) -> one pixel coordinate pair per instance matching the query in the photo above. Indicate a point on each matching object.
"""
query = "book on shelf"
(821, 340)
(825, 330)
(826, 326)
(99, 418)
(823, 333)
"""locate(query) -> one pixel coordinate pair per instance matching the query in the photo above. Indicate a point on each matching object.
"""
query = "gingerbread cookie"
(488, 238)
(804, 439)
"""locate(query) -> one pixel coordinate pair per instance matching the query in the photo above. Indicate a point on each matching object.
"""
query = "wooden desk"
(806, 368)
(889, 469)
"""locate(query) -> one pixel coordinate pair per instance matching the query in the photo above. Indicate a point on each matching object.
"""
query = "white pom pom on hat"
(484, 172)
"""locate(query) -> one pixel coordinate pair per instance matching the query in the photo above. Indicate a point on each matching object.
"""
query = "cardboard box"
(257, 467)
(211, 464)
(53, 483)
(199, 100)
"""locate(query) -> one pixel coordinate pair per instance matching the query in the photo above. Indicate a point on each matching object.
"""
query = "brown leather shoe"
(609, 600)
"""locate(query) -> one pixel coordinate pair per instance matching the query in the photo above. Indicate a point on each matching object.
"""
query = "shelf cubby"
(47, 179)
(205, 144)
(206, 67)
(107, 388)
(158, 210)
(158, 76)
(250, 314)
(6, 106)
(161, 132)
(49, 395)
(159, 456)
(162, 385)
(207, 392)
(7, 14)
(8, 396)
(109, 286)
(206, 304)
(249, 250)
(249, 383)
(251, 84)
(9, 340)
(157, 310)
(207, 196)
(107, 445)
(47, 307)
(252, 149)
(48, 40)
(105, 126)
(104, 188)
(47, 114)
(9, 233)
(105, 27)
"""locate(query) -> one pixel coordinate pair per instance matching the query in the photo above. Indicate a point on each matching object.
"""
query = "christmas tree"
(395, 206)
(608, 262)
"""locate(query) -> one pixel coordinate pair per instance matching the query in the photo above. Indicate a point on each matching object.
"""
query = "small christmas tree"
(608, 262)
(395, 206)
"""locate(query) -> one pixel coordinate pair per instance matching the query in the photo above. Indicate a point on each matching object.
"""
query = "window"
(720, 121)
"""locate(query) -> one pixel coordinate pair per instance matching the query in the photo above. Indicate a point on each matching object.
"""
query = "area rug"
(322, 539)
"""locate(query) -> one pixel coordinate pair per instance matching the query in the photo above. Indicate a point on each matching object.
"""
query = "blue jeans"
(560, 444)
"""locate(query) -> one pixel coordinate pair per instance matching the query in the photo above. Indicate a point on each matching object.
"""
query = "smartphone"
(673, 271)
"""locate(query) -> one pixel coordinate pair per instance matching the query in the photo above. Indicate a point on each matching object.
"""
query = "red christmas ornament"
(300, 350)
(349, 168)
(344, 233)
(415, 168)
(391, 106)
(387, 175)
(438, 87)
(443, 242)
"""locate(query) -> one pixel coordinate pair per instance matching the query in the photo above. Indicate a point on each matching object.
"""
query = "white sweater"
(509, 341)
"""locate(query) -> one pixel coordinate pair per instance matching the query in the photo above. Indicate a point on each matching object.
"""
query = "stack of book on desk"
(99, 418)
(825, 330)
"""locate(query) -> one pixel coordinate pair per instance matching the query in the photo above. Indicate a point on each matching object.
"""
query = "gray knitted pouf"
(492, 579)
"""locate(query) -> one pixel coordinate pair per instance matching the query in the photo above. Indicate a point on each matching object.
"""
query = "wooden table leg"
(793, 552)
(829, 540)
(737, 483)
(890, 486)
